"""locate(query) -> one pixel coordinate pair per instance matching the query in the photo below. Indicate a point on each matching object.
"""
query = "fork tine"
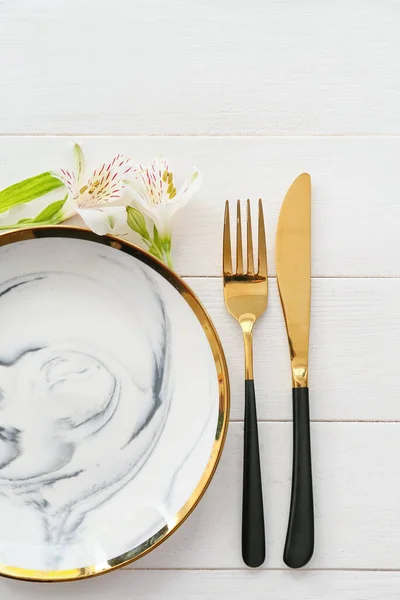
(262, 247)
(250, 258)
(226, 252)
(239, 249)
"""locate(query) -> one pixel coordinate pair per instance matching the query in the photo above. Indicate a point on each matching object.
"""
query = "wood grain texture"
(216, 585)
(354, 350)
(227, 67)
(355, 204)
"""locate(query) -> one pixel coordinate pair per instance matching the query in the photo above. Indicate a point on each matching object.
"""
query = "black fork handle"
(253, 529)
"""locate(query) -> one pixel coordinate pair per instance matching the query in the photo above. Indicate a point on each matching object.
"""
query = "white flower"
(154, 191)
(92, 197)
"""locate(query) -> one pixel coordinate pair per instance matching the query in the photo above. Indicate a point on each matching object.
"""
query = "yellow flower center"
(168, 177)
(92, 188)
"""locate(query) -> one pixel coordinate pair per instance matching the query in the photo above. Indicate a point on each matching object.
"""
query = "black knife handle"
(299, 545)
(253, 533)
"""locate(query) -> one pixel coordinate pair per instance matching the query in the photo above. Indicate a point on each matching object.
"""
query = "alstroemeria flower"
(155, 193)
(92, 197)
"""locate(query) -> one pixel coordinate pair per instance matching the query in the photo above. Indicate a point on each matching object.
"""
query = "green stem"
(30, 223)
(168, 257)
(154, 250)
(9, 227)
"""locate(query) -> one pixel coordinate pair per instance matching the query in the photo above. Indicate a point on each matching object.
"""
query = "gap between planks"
(202, 135)
(314, 277)
(244, 569)
(363, 421)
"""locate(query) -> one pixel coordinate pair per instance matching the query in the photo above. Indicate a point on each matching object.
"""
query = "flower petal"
(69, 209)
(162, 216)
(69, 180)
(159, 165)
(153, 190)
(154, 183)
(111, 219)
(156, 212)
(190, 186)
(106, 183)
(139, 195)
(79, 161)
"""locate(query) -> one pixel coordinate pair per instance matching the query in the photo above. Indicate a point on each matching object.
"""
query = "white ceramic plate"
(113, 403)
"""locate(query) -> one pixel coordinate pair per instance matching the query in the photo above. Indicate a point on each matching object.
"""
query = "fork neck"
(247, 329)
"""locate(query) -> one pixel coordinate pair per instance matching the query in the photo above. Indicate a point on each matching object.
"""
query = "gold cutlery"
(293, 269)
(246, 295)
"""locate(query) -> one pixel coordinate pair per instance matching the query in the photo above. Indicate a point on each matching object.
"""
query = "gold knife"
(293, 269)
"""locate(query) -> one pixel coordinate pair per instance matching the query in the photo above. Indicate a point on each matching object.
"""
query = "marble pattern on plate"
(108, 403)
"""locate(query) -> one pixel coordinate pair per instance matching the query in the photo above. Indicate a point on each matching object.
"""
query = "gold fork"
(246, 296)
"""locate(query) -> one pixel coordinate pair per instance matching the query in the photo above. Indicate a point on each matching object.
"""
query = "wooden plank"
(213, 68)
(357, 501)
(354, 350)
(356, 208)
(217, 585)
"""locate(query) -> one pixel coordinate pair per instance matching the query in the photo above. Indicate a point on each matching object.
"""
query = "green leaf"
(50, 213)
(153, 249)
(136, 221)
(156, 237)
(27, 190)
(79, 160)
(157, 245)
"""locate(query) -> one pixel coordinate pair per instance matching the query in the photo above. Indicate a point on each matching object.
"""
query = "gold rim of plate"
(197, 307)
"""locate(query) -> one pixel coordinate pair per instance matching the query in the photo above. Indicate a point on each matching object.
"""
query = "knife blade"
(293, 269)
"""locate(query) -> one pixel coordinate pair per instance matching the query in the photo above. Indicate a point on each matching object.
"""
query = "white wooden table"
(253, 93)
